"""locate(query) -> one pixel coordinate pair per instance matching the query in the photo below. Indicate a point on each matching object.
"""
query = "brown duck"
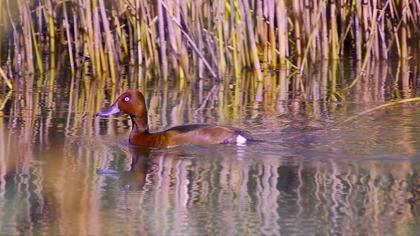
(132, 102)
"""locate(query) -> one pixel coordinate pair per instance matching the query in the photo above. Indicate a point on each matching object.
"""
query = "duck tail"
(248, 136)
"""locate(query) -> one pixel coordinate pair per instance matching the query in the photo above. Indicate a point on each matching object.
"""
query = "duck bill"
(112, 110)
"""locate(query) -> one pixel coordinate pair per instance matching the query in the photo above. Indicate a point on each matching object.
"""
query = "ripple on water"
(64, 171)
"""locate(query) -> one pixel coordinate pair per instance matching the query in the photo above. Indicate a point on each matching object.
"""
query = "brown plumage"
(132, 102)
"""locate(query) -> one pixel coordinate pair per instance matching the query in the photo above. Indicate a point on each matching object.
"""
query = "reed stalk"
(162, 41)
(252, 42)
(172, 38)
(199, 37)
(282, 36)
(6, 79)
(358, 29)
(296, 23)
(69, 38)
(215, 38)
(27, 29)
(150, 34)
(101, 64)
(311, 37)
(180, 15)
(194, 46)
(374, 25)
(368, 49)
(140, 32)
(109, 41)
(389, 104)
(272, 33)
(335, 46)
(121, 36)
(51, 25)
(220, 42)
(37, 52)
(403, 36)
(324, 34)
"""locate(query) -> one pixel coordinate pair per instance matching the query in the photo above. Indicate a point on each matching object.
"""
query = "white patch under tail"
(240, 139)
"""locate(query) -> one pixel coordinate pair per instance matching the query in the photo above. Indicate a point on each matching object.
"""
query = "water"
(64, 171)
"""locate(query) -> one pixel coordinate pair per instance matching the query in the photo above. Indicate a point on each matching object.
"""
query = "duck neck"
(139, 124)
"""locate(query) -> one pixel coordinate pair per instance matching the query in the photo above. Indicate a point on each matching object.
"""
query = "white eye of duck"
(127, 98)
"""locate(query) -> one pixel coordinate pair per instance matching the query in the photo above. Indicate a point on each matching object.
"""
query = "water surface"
(64, 171)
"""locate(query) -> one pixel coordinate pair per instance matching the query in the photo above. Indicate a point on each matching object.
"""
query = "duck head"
(132, 103)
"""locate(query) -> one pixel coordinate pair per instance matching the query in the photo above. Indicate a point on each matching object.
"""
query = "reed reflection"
(222, 193)
(63, 171)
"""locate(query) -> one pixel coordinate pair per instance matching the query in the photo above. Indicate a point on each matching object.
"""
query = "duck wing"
(188, 128)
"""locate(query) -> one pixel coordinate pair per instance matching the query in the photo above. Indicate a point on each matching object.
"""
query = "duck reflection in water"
(135, 177)
(153, 165)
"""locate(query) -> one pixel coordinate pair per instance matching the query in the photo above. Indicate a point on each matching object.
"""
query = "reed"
(6, 79)
(188, 40)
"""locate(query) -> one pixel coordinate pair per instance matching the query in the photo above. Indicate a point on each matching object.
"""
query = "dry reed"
(186, 39)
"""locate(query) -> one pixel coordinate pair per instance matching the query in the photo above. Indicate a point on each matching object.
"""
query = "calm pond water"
(64, 171)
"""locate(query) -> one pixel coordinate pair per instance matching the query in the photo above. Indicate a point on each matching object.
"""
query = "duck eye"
(127, 98)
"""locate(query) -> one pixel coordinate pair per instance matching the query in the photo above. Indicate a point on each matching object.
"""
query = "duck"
(132, 103)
